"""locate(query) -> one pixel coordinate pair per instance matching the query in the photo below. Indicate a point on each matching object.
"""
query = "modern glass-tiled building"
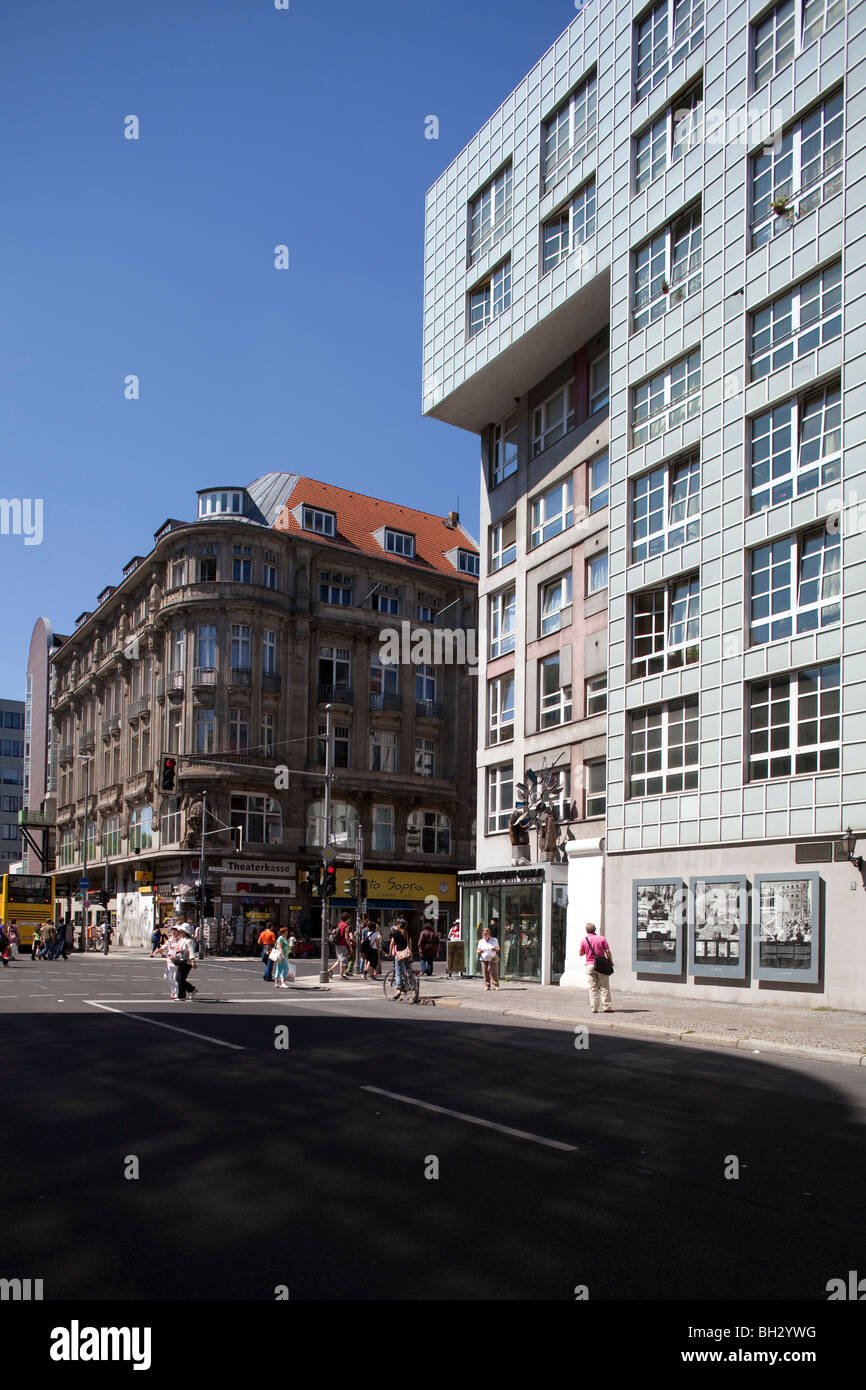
(644, 286)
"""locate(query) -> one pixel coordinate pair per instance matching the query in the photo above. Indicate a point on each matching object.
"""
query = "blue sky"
(155, 257)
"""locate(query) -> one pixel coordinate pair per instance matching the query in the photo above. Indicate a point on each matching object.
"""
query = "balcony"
(67, 751)
(139, 707)
(428, 709)
(271, 681)
(86, 742)
(172, 684)
(336, 695)
(240, 676)
(386, 701)
(204, 675)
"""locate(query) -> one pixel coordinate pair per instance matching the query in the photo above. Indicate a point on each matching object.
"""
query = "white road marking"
(202, 1037)
(473, 1120)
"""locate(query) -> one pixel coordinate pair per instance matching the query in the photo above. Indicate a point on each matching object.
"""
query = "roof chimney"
(451, 520)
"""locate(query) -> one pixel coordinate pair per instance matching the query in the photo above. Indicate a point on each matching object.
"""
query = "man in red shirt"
(341, 945)
(595, 947)
(267, 941)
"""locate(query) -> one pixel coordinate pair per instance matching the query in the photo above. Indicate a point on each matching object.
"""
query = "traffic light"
(352, 887)
(329, 882)
(168, 775)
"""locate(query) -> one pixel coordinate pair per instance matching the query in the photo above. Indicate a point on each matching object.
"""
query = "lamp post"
(850, 843)
(82, 941)
(324, 975)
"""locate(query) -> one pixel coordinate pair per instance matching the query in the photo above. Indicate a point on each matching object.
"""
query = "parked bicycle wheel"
(411, 986)
(389, 985)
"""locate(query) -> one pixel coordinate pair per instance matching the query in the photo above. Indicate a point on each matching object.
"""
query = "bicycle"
(411, 986)
(95, 939)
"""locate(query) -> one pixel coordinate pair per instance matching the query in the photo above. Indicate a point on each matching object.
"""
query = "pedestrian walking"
(184, 959)
(342, 949)
(36, 943)
(167, 949)
(428, 948)
(488, 954)
(599, 965)
(281, 968)
(350, 947)
(266, 942)
(14, 941)
(60, 942)
(400, 950)
(155, 942)
(373, 944)
(49, 941)
(5, 947)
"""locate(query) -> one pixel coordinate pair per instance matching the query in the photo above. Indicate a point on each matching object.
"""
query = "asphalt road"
(262, 1166)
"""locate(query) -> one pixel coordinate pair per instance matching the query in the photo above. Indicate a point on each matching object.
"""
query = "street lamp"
(82, 943)
(850, 844)
(324, 975)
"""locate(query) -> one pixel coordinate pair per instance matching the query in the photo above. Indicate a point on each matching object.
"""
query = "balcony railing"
(172, 684)
(240, 675)
(204, 675)
(86, 742)
(386, 701)
(271, 681)
(428, 709)
(67, 750)
(336, 695)
(139, 707)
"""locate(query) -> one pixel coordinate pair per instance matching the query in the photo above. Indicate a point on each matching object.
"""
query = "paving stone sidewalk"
(830, 1034)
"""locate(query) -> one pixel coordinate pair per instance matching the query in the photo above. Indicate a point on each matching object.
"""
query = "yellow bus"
(27, 899)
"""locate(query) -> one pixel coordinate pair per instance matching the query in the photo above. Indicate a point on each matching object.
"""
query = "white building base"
(585, 888)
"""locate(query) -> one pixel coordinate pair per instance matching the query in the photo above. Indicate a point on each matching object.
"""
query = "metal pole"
(324, 975)
(203, 868)
(82, 943)
(360, 904)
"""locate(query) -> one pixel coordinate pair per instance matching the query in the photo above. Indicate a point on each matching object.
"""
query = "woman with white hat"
(184, 959)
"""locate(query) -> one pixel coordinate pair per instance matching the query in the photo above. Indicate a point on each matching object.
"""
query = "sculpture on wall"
(536, 809)
(194, 808)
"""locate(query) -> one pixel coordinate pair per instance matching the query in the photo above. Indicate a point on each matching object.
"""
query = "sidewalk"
(831, 1035)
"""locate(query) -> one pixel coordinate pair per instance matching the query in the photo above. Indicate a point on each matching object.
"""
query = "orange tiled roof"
(358, 516)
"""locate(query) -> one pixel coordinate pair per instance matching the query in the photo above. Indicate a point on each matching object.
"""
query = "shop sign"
(255, 866)
(403, 887)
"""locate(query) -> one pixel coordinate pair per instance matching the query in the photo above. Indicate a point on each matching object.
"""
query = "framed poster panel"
(718, 926)
(658, 912)
(786, 927)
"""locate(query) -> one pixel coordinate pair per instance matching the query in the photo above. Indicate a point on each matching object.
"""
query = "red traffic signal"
(329, 880)
(168, 775)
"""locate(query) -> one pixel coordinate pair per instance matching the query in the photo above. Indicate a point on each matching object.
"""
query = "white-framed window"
(671, 135)
(340, 738)
(490, 214)
(665, 508)
(67, 848)
(176, 653)
(425, 612)
(664, 37)
(796, 447)
(335, 588)
(667, 399)
(490, 299)
(595, 788)
(428, 832)
(500, 709)
(110, 836)
(667, 269)
(595, 695)
(599, 383)
(322, 523)
(383, 829)
(240, 647)
(217, 503)
(11, 832)
(384, 680)
(270, 575)
(242, 570)
(384, 747)
(425, 757)
(239, 730)
(596, 573)
(344, 824)
(269, 652)
(798, 171)
(555, 596)
(569, 134)
(500, 797)
(551, 513)
(141, 828)
(787, 31)
(599, 482)
(204, 730)
(553, 418)
(268, 726)
(385, 603)
(205, 646)
(796, 585)
(665, 627)
(796, 322)
(177, 573)
(664, 748)
(169, 822)
(335, 667)
(503, 543)
(467, 562)
(503, 614)
(794, 723)
(259, 817)
(425, 684)
(554, 699)
(503, 449)
(400, 543)
(568, 228)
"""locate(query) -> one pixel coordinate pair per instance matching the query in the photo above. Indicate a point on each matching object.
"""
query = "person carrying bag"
(599, 966)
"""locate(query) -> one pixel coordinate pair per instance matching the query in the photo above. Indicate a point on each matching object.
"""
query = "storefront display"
(718, 926)
(658, 914)
(786, 937)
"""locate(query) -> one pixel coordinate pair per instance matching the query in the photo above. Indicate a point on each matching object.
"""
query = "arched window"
(344, 824)
(428, 832)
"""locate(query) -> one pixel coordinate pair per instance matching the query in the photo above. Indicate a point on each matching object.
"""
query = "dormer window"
(322, 523)
(467, 562)
(400, 543)
(220, 503)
